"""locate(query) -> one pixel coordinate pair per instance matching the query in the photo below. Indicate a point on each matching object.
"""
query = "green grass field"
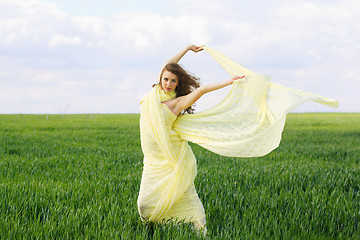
(78, 176)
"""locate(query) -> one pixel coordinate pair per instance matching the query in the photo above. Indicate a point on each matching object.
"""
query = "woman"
(167, 190)
(247, 123)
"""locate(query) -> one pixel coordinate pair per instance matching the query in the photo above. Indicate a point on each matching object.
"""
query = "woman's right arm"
(179, 55)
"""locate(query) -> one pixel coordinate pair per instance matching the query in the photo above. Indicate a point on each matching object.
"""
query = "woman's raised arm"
(179, 55)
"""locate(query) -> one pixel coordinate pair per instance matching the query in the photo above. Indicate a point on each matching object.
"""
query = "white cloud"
(58, 40)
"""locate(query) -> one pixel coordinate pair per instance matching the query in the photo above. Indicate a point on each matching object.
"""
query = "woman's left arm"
(186, 101)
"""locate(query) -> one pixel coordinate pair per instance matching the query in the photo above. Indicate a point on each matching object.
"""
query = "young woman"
(167, 190)
(247, 123)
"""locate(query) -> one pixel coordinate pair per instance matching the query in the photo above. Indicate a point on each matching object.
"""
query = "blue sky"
(101, 57)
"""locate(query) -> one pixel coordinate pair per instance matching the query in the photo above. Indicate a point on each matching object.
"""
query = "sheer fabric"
(247, 123)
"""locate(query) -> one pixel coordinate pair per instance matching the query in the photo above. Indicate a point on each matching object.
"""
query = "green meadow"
(78, 176)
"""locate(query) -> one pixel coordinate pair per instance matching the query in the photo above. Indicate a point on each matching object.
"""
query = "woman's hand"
(243, 79)
(195, 48)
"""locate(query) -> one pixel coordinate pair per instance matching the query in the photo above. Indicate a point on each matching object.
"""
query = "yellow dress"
(167, 190)
(248, 122)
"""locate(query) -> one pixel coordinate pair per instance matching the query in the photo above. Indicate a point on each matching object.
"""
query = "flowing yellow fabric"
(250, 119)
(248, 122)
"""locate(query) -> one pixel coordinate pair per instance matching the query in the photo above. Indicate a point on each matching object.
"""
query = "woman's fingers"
(198, 49)
(195, 48)
(240, 77)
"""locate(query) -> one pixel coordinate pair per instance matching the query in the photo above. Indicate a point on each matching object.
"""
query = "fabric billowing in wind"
(250, 119)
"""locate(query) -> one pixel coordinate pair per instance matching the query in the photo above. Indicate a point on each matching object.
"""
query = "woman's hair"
(186, 84)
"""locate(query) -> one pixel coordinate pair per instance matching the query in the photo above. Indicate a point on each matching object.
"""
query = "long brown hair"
(187, 82)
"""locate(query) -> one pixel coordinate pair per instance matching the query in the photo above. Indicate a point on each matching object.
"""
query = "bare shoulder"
(176, 105)
(171, 104)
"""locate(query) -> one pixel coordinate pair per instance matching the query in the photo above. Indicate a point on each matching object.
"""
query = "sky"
(90, 56)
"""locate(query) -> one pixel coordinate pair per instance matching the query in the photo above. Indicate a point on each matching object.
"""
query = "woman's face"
(169, 81)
